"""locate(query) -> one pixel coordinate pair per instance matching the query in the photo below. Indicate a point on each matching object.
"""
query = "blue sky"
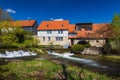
(96, 11)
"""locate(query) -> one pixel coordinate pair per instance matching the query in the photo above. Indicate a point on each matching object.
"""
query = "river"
(92, 63)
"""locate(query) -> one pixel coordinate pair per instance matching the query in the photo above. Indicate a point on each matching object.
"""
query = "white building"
(63, 33)
(53, 31)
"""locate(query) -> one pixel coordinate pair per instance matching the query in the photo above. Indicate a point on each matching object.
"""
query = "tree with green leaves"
(7, 36)
(14, 35)
(115, 41)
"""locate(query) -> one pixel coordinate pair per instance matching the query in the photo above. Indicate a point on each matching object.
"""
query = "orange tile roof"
(71, 28)
(99, 26)
(93, 33)
(24, 23)
(62, 25)
(54, 25)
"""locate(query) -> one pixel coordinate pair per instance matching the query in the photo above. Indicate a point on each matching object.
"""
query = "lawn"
(115, 58)
(45, 70)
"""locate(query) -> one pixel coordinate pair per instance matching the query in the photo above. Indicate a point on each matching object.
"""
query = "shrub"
(78, 47)
(86, 45)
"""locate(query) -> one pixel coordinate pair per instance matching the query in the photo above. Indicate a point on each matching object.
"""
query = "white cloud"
(9, 10)
(29, 18)
(59, 19)
(51, 18)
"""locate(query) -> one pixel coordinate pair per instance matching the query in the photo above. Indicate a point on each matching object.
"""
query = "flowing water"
(15, 54)
(101, 66)
(97, 65)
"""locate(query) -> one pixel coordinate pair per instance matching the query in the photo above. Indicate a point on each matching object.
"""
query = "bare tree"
(4, 15)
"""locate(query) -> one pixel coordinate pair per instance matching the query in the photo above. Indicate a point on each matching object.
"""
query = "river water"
(93, 63)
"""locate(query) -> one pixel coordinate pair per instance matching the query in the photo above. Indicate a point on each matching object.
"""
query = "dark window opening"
(59, 38)
(49, 38)
(60, 32)
(82, 42)
(47, 25)
(43, 38)
(49, 32)
(97, 41)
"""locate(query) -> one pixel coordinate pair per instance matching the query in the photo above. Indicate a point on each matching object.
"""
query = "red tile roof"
(94, 33)
(64, 25)
(54, 25)
(24, 23)
(71, 28)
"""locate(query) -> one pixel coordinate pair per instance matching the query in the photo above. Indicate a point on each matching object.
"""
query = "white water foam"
(19, 53)
(68, 55)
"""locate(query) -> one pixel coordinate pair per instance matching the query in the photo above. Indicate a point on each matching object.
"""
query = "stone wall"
(92, 51)
(92, 42)
(53, 40)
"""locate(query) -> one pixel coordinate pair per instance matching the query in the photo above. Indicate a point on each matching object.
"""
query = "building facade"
(89, 33)
(28, 25)
(63, 33)
(55, 32)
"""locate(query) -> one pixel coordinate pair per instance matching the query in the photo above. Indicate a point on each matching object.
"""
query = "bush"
(86, 45)
(78, 47)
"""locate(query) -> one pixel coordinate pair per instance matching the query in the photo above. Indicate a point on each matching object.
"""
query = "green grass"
(45, 70)
(112, 58)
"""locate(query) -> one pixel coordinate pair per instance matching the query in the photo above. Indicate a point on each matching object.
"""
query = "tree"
(14, 35)
(115, 41)
(4, 16)
(116, 20)
(116, 25)
(7, 36)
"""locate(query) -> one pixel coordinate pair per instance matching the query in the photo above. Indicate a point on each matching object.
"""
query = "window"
(60, 32)
(97, 41)
(62, 25)
(56, 38)
(59, 38)
(49, 38)
(47, 25)
(72, 34)
(88, 27)
(49, 32)
(43, 38)
(78, 27)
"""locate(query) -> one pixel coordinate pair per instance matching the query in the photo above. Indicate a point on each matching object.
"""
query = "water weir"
(14, 54)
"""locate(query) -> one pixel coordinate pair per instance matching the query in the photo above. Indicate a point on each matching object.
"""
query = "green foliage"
(87, 45)
(115, 41)
(116, 20)
(78, 47)
(15, 36)
(45, 70)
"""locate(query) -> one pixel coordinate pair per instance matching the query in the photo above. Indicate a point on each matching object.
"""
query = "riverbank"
(46, 70)
(114, 58)
(57, 61)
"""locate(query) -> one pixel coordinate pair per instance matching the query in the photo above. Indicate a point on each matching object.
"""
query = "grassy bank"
(45, 70)
(115, 58)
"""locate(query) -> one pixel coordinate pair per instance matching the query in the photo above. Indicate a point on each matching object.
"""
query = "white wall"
(54, 33)
(53, 36)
